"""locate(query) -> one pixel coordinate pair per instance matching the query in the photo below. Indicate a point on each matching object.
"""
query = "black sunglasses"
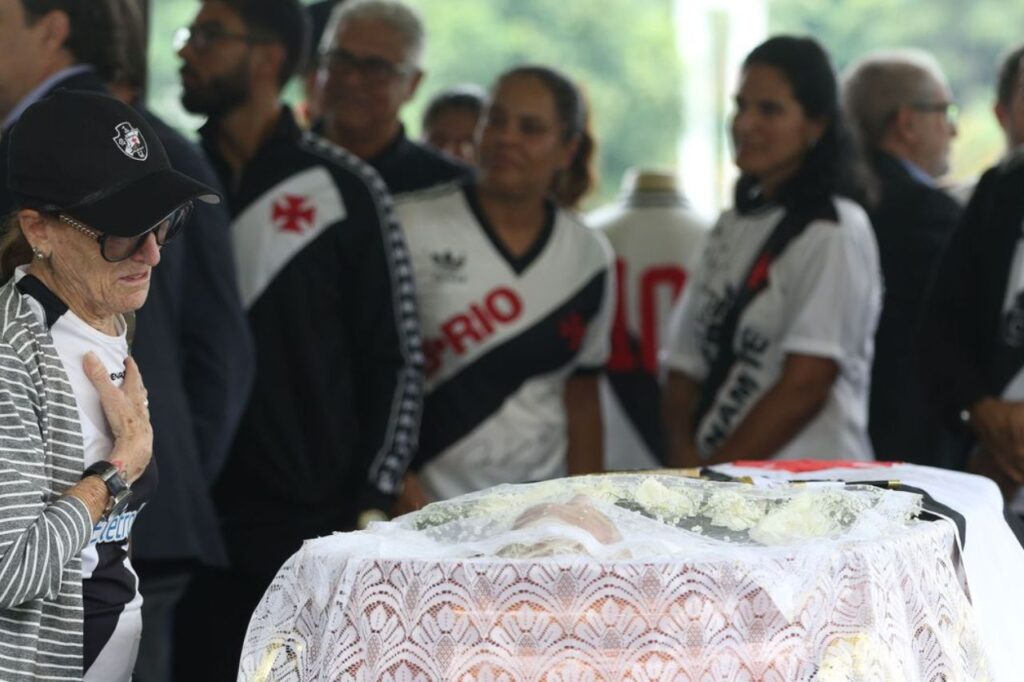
(115, 249)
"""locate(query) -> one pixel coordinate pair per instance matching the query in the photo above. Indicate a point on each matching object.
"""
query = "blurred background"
(660, 73)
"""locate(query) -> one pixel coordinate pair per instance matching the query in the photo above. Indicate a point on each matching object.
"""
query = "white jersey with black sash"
(112, 602)
(822, 298)
(502, 334)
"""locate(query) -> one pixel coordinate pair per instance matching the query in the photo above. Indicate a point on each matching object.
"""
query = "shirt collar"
(918, 174)
(41, 90)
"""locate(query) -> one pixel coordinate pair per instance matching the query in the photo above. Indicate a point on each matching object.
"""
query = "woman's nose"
(149, 251)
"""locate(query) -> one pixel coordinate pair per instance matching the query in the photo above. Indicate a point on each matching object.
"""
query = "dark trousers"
(210, 625)
(162, 584)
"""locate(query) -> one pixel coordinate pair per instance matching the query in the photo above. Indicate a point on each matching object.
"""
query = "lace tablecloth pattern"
(883, 609)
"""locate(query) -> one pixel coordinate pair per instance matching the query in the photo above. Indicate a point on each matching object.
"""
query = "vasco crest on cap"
(131, 142)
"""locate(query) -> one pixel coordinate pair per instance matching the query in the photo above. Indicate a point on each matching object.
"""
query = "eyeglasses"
(948, 109)
(115, 249)
(373, 70)
(203, 37)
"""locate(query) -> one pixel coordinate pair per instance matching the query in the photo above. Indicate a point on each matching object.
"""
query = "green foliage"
(623, 56)
(622, 53)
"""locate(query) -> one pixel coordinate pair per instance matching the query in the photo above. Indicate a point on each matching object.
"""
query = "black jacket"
(195, 354)
(960, 338)
(406, 166)
(913, 223)
(326, 280)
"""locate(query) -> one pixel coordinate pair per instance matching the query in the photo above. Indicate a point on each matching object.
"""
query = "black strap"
(791, 226)
(931, 510)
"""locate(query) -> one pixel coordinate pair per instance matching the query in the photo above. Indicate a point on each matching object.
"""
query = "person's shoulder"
(442, 207)
(851, 214)
(18, 328)
(445, 165)
(436, 194)
(410, 166)
(591, 241)
(841, 222)
(345, 167)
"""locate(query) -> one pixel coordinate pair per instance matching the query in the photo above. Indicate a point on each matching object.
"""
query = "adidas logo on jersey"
(470, 328)
(448, 266)
(449, 260)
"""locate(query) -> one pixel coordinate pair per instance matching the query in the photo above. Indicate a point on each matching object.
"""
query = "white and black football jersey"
(823, 299)
(501, 335)
(657, 239)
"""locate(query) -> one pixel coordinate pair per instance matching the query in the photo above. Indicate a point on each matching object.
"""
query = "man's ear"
(414, 85)
(904, 125)
(1002, 115)
(270, 61)
(56, 28)
(36, 229)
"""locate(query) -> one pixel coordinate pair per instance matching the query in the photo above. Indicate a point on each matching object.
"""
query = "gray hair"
(875, 87)
(399, 16)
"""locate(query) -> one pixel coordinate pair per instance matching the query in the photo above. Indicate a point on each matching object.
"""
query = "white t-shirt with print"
(822, 299)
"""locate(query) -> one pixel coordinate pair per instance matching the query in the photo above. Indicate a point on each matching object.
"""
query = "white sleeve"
(596, 344)
(682, 349)
(833, 291)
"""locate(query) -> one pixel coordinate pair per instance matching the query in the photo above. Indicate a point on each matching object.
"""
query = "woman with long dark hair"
(514, 294)
(771, 347)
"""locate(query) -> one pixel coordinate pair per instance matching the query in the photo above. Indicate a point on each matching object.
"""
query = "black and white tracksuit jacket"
(325, 278)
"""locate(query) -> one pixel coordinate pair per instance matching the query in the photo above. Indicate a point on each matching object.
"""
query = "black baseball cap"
(98, 160)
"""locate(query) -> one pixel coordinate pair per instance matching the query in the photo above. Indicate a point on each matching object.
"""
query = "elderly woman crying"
(96, 200)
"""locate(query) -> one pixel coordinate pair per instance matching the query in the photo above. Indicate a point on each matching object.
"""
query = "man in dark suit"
(901, 106)
(973, 336)
(192, 340)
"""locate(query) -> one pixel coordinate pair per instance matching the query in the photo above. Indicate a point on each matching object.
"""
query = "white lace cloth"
(873, 596)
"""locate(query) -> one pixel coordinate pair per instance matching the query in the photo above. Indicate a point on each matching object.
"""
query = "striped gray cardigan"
(42, 531)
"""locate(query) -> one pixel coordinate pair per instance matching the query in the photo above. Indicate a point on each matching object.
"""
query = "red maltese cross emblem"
(293, 213)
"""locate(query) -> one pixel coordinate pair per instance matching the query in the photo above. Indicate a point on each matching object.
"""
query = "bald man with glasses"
(369, 68)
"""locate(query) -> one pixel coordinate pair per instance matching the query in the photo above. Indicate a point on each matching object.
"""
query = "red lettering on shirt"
(465, 330)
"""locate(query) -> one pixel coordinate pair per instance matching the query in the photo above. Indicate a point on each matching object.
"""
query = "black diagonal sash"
(792, 225)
